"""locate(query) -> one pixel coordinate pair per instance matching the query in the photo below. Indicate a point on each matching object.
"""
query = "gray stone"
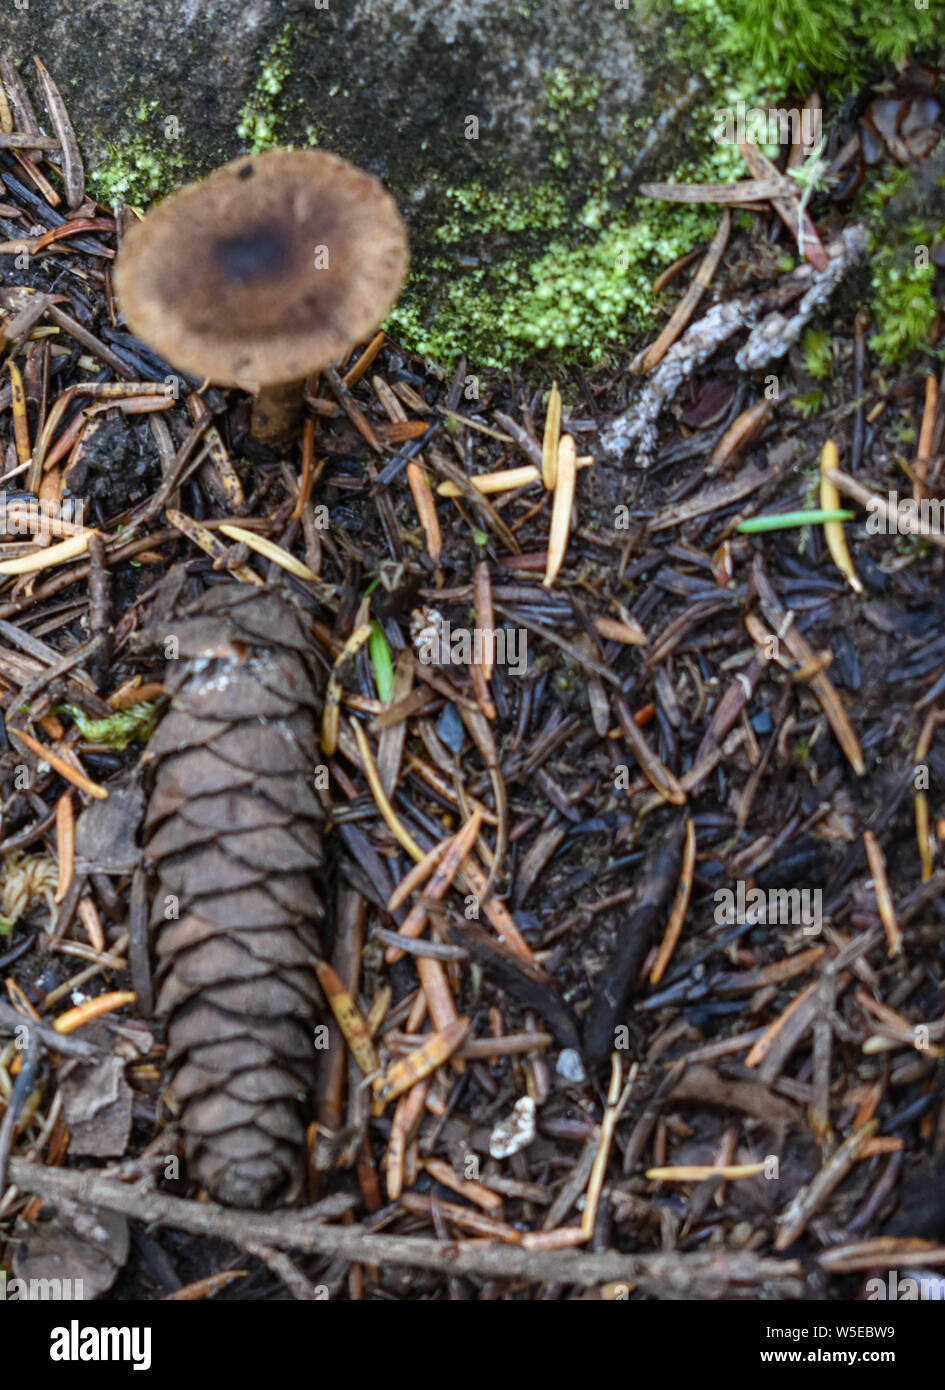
(392, 83)
(513, 136)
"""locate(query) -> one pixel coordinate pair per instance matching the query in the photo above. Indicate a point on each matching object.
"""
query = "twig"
(669, 1274)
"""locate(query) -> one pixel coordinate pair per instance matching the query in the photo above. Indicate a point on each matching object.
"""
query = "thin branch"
(701, 1275)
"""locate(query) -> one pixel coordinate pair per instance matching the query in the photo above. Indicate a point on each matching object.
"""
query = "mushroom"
(271, 268)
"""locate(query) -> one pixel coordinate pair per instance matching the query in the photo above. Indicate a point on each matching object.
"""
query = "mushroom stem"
(276, 413)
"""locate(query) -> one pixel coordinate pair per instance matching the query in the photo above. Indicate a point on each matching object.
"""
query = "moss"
(155, 159)
(817, 347)
(904, 306)
(575, 282)
(797, 44)
(263, 117)
(906, 213)
(132, 725)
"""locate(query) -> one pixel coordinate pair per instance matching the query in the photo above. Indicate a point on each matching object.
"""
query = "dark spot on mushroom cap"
(256, 282)
(254, 253)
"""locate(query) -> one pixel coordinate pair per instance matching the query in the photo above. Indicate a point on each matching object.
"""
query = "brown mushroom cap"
(273, 267)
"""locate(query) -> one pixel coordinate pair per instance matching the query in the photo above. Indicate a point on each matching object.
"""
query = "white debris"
(515, 1132)
(570, 1067)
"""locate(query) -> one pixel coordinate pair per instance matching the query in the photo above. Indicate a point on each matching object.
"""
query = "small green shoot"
(781, 521)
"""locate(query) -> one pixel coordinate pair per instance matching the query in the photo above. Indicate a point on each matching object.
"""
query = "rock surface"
(393, 83)
(510, 134)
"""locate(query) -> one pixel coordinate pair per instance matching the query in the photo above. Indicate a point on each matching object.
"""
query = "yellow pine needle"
(270, 551)
(884, 902)
(833, 530)
(331, 713)
(349, 1018)
(21, 427)
(728, 1171)
(49, 556)
(550, 443)
(395, 825)
(565, 480)
(616, 1104)
(505, 479)
(209, 544)
(407, 1071)
(924, 835)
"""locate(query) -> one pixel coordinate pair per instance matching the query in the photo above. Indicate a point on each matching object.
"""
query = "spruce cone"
(234, 831)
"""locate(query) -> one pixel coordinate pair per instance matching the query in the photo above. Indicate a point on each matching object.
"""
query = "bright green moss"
(132, 725)
(904, 306)
(545, 280)
(817, 347)
(152, 161)
(798, 44)
(907, 218)
(262, 119)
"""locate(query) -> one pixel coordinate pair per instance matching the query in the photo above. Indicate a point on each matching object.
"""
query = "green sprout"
(382, 661)
(817, 347)
(781, 521)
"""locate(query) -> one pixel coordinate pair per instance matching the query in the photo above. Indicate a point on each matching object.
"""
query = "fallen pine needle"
(616, 1104)
(209, 544)
(659, 776)
(349, 1018)
(441, 879)
(884, 902)
(739, 434)
(49, 556)
(418, 874)
(896, 520)
(763, 1046)
(834, 533)
(552, 438)
(781, 521)
(407, 1116)
(331, 712)
(630, 633)
(407, 1071)
(87, 913)
(426, 509)
(466, 1187)
(205, 1288)
(506, 479)
(926, 434)
(680, 906)
(76, 1018)
(684, 310)
(395, 825)
(804, 1206)
(269, 550)
(65, 844)
(559, 1239)
(565, 480)
(61, 765)
(728, 1171)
